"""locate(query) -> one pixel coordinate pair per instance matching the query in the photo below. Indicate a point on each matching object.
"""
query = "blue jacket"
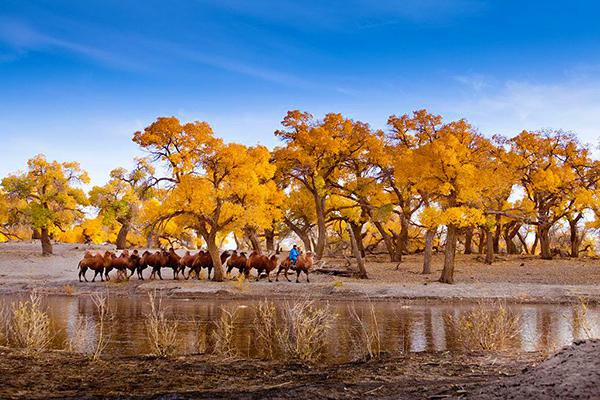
(294, 253)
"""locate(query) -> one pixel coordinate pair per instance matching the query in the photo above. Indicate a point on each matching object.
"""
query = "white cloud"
(476, 82)
(570, 104)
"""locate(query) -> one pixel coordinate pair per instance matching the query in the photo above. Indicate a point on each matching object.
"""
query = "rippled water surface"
(404, 327)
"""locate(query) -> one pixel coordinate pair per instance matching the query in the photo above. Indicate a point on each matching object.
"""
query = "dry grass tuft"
(79, 339)
(224, 335)
(489, 326)
(161, 332)
(29, 325)
(90, 336)
(69, 290)
(241, 283)
(265, 327)
(303, 332)
(103, 316)
(364, 334)
(581, 323)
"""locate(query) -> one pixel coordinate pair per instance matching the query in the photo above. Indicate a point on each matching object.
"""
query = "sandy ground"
(518, 278)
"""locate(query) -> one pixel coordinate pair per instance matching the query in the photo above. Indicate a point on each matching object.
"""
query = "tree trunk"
(321, 227)
(497, 233)
(402, 245)
(489, 248)
(544, 236)
(468, 241)
(398, 247)
(122, 236)
(511, 247)
(481, 244)
(362, 272)
(389, 244)
(449, 253)
(213, 250)
(301, 233)
(429, 235)
(46, 244)
(357, 231)
(270, 239)
(535, 244)
(36, 235)
(574, 235)
(253, 238)
(523, 242)
(151, 240)
(307, 243)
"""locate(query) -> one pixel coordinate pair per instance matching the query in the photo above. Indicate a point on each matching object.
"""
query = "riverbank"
(515, 278)
(413, 376)
(571, 373)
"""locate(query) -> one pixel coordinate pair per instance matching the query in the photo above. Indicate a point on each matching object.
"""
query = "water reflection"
(403, 328)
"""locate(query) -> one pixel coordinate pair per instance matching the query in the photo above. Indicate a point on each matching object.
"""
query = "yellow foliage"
(45, 197)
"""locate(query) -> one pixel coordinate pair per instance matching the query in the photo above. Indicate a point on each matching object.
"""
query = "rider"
(294, 253)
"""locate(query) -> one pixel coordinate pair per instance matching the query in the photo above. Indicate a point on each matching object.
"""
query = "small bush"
(29, 326)
(489, 326)
(303, 332)
(161, 332)
(224, 335)
(364, 334)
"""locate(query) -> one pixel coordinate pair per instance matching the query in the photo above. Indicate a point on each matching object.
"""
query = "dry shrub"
(224, 335)
(4, 324)
(265, 328)
(161, 332)
(489, 326)
(80, 337)
(29, 326)
(69, 290)
(303, 331)
(89, 336)
(103, 316)
(241, 284)
(581, 323)
(364, 334)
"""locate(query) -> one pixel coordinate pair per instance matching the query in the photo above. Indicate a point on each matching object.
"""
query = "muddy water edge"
(420, 352)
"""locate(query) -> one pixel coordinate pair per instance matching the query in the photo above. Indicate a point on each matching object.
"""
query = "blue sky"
(77, 78)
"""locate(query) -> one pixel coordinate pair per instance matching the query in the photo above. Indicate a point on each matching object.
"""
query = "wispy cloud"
(476, 82)
(349, 14)
(23, 38)
(134, 53)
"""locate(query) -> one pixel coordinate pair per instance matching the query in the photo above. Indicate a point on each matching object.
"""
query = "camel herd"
(126, 264)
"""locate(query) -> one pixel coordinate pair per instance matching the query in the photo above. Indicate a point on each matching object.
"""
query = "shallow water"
(403, 327)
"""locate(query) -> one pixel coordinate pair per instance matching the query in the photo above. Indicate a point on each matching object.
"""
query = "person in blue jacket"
(294, 253)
